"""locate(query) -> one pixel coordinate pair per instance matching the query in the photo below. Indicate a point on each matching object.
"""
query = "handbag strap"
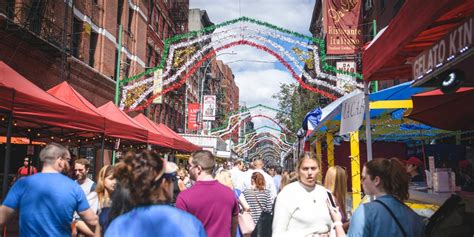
(256, 198)
(393, 216)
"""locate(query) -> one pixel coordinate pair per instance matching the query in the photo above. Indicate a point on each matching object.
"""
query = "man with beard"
(81, 169)
(47, 200)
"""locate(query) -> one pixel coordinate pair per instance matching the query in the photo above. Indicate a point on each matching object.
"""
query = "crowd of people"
(146, 195)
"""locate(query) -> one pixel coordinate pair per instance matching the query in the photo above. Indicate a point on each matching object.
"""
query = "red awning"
(32, 104)
(120, 125)
(69, 95)
(180, 143)
(416, 27)
(155, 137)
(446, 111)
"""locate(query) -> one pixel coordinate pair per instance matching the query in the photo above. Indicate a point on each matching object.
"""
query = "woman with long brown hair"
(301, 208)
(387, 215)
(146, 185)
(336, 182)
(258, 197)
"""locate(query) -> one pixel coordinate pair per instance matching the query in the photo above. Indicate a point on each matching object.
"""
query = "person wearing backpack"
(387, 215)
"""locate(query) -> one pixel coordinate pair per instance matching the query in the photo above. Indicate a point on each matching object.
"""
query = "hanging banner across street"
(341, 24)
(209, 108)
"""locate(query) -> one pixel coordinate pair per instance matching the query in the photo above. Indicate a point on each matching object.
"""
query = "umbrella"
(452, 111)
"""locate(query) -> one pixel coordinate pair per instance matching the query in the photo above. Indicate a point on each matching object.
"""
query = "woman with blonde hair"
(105, 186)
(224, 177)
(336, 182)
(301, 207)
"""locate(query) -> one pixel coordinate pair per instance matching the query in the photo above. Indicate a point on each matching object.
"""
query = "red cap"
(414, 161)
(462, 164)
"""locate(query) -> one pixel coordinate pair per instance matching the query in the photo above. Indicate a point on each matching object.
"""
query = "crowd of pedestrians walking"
(146, 195)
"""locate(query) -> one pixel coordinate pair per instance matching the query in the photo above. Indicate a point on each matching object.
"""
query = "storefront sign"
(209, 107)
(341, 24)
(193, 109)
(348, 66)
(352, 114)
(444, 50)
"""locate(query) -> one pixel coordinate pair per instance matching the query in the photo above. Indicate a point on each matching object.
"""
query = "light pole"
(201, 102)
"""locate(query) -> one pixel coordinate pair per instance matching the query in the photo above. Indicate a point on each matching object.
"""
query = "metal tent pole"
(8, 152)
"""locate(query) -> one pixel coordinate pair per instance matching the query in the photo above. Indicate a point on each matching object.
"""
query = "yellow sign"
(158, 85)
(87, 28)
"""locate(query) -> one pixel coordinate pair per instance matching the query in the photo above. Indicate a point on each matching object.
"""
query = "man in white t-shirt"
(236, 173)
(81, 169)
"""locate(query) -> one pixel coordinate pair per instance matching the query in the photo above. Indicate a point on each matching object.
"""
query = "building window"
(76, 36)
(119, 12)
(130, 21)
(383, 3)
(126, 69)
(92, 48)
(149, 52)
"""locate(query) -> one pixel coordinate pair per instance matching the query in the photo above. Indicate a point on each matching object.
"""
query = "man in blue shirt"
(47, 200)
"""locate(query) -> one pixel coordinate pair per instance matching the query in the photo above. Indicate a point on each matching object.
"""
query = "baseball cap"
(463, 164)
(414, 161)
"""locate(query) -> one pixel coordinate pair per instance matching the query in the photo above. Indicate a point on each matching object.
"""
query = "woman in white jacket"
(301, 207)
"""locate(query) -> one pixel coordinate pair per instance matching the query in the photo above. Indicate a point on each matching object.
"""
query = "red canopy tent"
(155, 137)
(29, 103)
(415, 28)
(69, 95)
(445, 111)
(180, 143)
(122, 126)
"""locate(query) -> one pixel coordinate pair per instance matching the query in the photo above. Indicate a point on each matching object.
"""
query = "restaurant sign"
(446, 49)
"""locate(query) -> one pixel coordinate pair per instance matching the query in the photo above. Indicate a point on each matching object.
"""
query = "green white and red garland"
(226, 39)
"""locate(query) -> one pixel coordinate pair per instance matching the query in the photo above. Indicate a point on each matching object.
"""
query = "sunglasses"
(170, 176)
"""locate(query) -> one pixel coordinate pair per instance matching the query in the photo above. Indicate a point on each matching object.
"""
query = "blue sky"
(259, 81)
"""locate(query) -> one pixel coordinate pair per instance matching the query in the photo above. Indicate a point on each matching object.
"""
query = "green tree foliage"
(295, 102)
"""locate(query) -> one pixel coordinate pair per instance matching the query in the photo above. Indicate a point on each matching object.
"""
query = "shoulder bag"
(393, 216)
(264, 224)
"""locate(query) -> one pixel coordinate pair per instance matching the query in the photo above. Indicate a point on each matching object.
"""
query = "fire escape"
(179, 14)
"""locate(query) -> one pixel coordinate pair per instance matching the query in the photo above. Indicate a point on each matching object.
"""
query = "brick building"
(76, 41)
(166, 19)
(381, 11)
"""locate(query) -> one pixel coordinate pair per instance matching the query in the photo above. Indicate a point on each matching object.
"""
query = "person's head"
(336, 182)
(224, 178)
(271, 171)
(182, 173)
(465, 166)
(308, 169)
(81, 169)
(140, 176)
(285, 179)
(412, 164)
(278, 170)
(105, 183)
(56, 156)
(201, 163)
(26, 161)
(385, 176)
(258, 164)
(239, 164)
(258, 181)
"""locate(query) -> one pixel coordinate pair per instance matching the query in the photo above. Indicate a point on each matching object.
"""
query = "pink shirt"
(212, 203)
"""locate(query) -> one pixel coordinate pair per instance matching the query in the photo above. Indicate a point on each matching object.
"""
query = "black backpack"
(451, 219)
